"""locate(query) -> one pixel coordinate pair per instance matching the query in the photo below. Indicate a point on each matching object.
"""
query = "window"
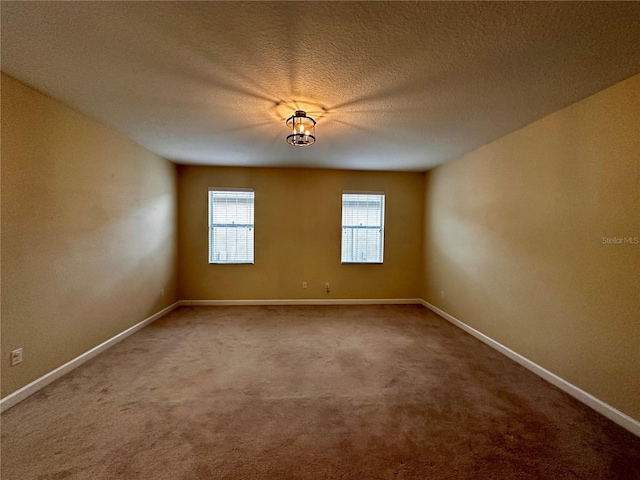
(362, 227)
(231, 229)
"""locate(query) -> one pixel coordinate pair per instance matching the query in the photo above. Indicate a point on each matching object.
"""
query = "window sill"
(362, 263)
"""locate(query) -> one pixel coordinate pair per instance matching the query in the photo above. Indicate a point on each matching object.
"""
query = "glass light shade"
(303, 129)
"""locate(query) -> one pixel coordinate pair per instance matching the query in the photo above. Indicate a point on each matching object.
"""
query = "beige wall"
(297, 236)
(88, 233)
(514, 238)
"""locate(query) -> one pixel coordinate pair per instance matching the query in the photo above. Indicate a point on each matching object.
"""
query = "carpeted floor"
(353, 392)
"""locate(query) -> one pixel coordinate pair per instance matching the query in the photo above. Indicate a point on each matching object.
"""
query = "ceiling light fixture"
(303, 129)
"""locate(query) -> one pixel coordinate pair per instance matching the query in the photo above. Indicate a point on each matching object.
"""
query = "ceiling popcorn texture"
(393, 86)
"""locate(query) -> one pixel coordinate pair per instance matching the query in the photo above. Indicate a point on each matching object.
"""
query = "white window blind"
(231, 230)
(362, 227)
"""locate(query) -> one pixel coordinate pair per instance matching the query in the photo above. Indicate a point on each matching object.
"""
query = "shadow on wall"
(149, 238)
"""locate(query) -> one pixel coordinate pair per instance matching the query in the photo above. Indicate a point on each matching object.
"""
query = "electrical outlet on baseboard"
(16, 357)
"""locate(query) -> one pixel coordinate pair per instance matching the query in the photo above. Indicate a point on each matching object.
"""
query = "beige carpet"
(357, 392)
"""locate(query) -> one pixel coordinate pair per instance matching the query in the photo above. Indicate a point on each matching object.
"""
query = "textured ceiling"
(394, 86)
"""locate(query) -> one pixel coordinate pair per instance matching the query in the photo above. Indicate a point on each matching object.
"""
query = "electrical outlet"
(326, 287)
(441, 293)
(16, 357)
(162, 293)
(304, 284)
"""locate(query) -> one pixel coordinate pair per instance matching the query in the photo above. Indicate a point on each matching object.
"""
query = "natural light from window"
(362, 227)
(231, 229)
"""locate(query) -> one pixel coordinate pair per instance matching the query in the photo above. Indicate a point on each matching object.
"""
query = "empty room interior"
(320, 240)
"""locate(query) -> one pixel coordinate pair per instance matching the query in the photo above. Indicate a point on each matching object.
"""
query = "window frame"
(381, 226)
(211, 225)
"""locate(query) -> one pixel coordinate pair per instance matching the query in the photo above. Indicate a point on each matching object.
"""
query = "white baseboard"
(310, 301)
(38, 384)
(622, 419)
